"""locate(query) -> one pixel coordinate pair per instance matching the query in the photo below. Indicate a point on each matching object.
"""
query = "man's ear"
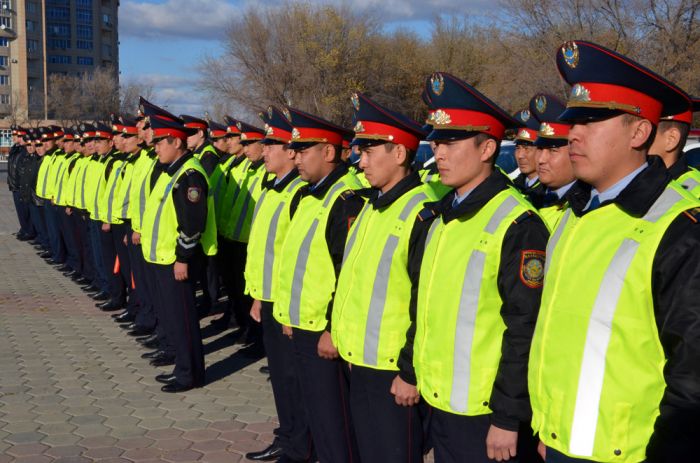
(328, 153)
(487, 150)
(641, 131)
(400, 154)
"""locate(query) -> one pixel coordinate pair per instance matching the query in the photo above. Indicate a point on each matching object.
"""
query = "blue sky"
(163, 41)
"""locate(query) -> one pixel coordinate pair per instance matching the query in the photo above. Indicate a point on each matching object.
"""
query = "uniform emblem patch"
(532, 268)
(194, 194)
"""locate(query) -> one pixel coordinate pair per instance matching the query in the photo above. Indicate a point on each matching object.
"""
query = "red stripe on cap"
(686, 117)
(233, 129)
(466, 119)
(554, 130)
(251, 136)
(169, 132)
(102, 134)
(610, 96)
(377, 130)
(130, 130)
(196, 125)
(526, 134)
(307, 134)
(218, 133)
(275, 133)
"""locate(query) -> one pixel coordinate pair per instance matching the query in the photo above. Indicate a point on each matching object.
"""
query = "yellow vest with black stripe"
(140, 188)
(63, 186)
(305, 279)
(48, 173)
(79, 178)
(371, 304)
(552, 214)
(159, 227)
(270, 224)
(459, 328)
(95, 185)
(690, 181)
(110, 213)
(232, 188)
(596, 363)
(240, 218)
(122, 196)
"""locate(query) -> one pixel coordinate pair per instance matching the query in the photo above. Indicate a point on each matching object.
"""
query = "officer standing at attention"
(377, 287)
(310, 260)
(553, 164)
(671, 135)
(614, 371)
(15, 164)
(177, 232)
(527, 182)
(269, 228)
(480, 286)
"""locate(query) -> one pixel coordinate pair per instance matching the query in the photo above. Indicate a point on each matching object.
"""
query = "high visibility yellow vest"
(159, 227)
(237, 227)
(596, 363)
(95, 184)
(234, 178)
(433, 180)
(371, 305)
(691, 181)
(140, 189)
(218, 183)
(122, 196)
(552, 214)
(110, 213)
(79, 181)
(206, 149)
(305, 279)
(63, 186)
(360, 176)
(270, 223)
(45, 177)
(459, 328)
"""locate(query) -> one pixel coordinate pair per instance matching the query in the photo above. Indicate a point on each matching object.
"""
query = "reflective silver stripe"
(125, 202)
(218, 186)
(82, 193)
(244, 209)
(142, 192)
(46, 177)
(690, 184)
(590, 386)
(428, 178)
(110, 198)
(159, 212)
(599, 332)
(332, 192)
(299, 271)
(60, 187)
(380, 287)
(554, 239)
(432, 229)
(97, 197)
(466, 315)
(353, 235)
(258, 204)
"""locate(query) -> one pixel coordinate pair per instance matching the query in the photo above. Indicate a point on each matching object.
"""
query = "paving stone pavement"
(73, 387)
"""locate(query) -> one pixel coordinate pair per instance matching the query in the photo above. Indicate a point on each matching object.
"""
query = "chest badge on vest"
(532, 268)
(194, 194)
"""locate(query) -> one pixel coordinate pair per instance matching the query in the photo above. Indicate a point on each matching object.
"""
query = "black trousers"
(233, 255)
(81, 224)
(36, 215)
(70, 238)
(208, 280)
(293, 433)
(386, 432)
(160, 311)
(557, 457)
(22, 209)
(182, 324)
(115, 284)
(145, 315)
(53, 229)
(324, 391)
(118, 232)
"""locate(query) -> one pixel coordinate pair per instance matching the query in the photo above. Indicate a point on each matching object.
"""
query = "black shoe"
(54, 262)
(64, 268)
(89, 287)
(271, 453)
(124, 316)
(127, 325)
(153, 337)
(23, 237)
(222, 322)
(166, 378)
(175, 387)
(110, 305)
(153, 354)
(72, 274)
(44, 254)
(163, 361)
(152, 343)
(100, 296)
(140, 331)
(83, 281)
(265, 370)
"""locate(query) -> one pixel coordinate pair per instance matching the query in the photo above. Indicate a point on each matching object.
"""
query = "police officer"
(50, 169)
(310, 261)
(177, 233)
(553, 164)
(525, 155)
(614, 373)
(268, 231)
(480, 285)
(671, 135)
(377, 287)
(16, 160)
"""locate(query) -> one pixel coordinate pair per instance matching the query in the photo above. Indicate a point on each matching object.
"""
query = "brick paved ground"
(73, 387)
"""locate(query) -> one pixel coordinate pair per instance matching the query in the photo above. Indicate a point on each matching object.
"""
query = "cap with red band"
(685, 116)
(217, 131)
(459, 110)
(376, 124)
(605, 83)
(277, 127)
(192, 122)
(309, 130)
(163, 128)
(249, 133)
(150, 111)
(527, 134)
(552, 132)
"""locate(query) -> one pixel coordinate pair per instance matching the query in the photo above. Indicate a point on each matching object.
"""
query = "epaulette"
(347, 194)
(524, 216)
(693, 214)
(190, 171)
(364, 192)
(427, 213)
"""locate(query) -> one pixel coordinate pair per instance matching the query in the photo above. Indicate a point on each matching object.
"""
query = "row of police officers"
(555, 317)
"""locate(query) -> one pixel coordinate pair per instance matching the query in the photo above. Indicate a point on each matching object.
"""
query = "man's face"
(525, 156)
(90, 146)
(310, 163)
(276, 158)
(130, 144)
(167, 149)
(49, 145)
(458, 161)
(554, 166)
(30, 148)
(195, 140)
(220, 144)
(380, 166)
(118, 142)
(103, 146)
(253, 151)
(40, 149)
(234, 145)
(68, 146)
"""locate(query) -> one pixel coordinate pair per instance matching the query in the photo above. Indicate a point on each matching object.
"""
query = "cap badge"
(359, 128)
(570, 52)
(541, 103)
(355, 99)
(269, 130)
(525, 115)
(295, 134)
(437, 83)
(580, 93)
(286, 113)
(546, 130)
(244, 136)
(440, 117)
(239, 126)
(269, 112)
(524, 134)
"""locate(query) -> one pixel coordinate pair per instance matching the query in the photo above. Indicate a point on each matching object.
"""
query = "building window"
(59, 2)
(58, 44)
(84, 44)
(32, 45)
(5, 22)
(58, 30)
(84, 32)
(107, 19)
(58, 14)
(83, 2)
(86, 60)
(32, 7)
(4, 80)
(4, 42)
(31, 26)
(6, 134)
(106, 49)
(83, 16)
(6, 4)
(59, 59)
(3, 60)
(4, 99)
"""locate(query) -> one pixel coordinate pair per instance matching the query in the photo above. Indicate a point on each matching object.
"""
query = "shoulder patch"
(532, 268)
(427, 213)
(194, 194)
(190, 171)
(347, 194)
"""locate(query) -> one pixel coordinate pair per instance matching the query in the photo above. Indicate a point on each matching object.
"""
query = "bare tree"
(93, 96)
(129, 94)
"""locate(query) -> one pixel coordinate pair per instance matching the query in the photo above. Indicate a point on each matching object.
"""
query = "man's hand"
(255, 310)
(125, 241)
(501, 445)
(180, 271)
(405, 394)
(136, 238)
(326, 349)
(287, 331)
(106, 227)
(69, 211)
(542, 450)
